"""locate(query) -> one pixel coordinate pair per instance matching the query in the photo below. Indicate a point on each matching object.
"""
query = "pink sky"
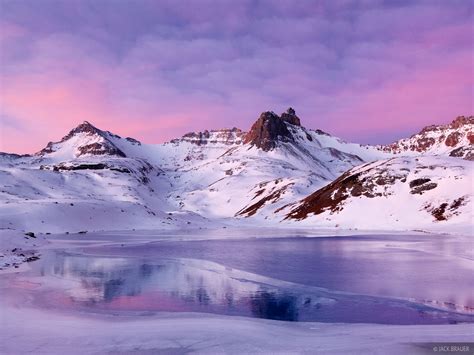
(154, 70)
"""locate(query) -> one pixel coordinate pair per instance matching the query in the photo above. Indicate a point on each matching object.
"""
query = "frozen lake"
(360, 279)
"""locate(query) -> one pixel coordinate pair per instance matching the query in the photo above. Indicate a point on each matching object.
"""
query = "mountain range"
(279, 173)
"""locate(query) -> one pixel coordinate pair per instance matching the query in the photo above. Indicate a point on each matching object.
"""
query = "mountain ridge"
(229, 176)
(455, 138)
(270, 128)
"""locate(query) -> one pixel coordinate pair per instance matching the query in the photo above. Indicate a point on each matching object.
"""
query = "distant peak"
(461, 121)
(290, 117)
(458, 136)
(458, 122)
(84, 127)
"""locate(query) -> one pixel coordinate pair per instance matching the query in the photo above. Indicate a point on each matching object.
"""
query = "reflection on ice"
(184, 285)
(272, 306)
(123, 285)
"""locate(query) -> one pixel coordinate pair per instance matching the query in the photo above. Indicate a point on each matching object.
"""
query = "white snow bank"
(25, 330)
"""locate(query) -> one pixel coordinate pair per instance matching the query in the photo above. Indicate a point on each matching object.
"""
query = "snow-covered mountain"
(455, 139)
(83, 140)
(426, 192)
(268, 169)
(424, 186)
(274, 174)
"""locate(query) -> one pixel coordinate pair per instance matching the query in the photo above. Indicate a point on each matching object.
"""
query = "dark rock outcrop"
(424, 187)
(87, 166)
(84, 127)
(470, 138)
(463, 152)
(453, 139)
(446, 210)
(419, 182)
(270, 129)
(461, 121)
(290, 117)
(438, 212)
(370, 183)
(103, 148)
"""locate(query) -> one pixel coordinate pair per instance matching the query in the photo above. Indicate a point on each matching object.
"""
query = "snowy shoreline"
(25, 330)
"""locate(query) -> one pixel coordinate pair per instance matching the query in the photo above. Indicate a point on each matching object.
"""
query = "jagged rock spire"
(290, 117)
(270, 128)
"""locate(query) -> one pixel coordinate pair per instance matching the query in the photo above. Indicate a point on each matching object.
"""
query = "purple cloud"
(366, 71)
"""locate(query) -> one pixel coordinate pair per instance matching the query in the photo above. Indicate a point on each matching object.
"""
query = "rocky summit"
(271, 128)
(86, 139)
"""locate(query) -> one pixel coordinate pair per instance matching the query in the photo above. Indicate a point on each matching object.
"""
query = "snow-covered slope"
(426, 192)
(84, 140)
(90, 180)
(277, 163)
(87, 199)
(93, 179)
(455, 139)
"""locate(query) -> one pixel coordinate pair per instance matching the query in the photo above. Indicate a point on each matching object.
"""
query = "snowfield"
(39, 332)
(427, 193)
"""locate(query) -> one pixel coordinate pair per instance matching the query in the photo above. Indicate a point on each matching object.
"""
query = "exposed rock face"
(350, 184)
(102, 148)
(138, 168)
(418, 182)
(83, 166)
(453, 139)
(396, 188)
(423, 187)
(220, 136)
(263, 196)
(84, 127)
(267, 130)
(461, 121)
(446, 210)
(436, 139)
(271, 128)
(470, 137)
(463, 152)
(329, 197)
(290, 117)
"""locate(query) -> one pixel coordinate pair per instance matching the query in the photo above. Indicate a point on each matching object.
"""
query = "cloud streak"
(155, 70)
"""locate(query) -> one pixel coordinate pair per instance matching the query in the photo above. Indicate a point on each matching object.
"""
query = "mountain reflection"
(271, 305)
(128, 284)
(139, 285)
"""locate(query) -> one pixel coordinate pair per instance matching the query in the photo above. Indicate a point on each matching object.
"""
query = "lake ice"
(361, 279)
